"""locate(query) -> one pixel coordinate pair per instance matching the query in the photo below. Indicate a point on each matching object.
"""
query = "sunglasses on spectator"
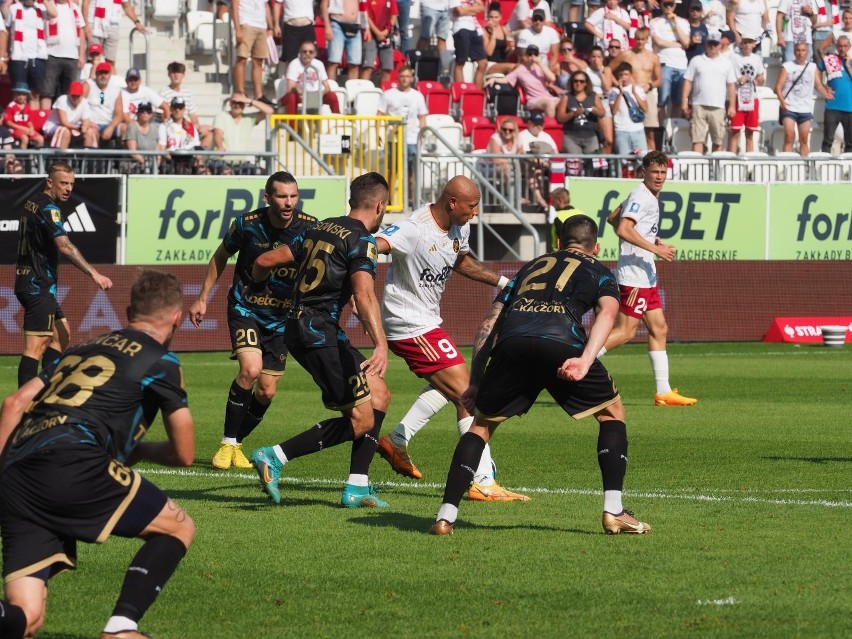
(538, 19)
(567, 50)
(308, 51)
(578, 80)
(233, 104)
(508, 129)
(614, 46)
(668, 4)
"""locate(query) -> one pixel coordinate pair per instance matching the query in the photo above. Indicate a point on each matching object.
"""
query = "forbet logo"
(79, 221)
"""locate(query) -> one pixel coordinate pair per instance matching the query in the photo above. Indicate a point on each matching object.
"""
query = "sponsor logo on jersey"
(431, 277)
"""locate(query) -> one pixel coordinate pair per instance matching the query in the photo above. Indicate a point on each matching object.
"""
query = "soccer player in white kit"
(636, 222)
(425, 248)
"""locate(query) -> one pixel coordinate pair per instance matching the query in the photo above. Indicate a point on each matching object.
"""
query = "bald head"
(459, 202)
(461, 187)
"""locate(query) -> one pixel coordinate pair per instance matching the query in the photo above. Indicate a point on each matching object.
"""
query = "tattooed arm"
(73, 255)
(475, 271)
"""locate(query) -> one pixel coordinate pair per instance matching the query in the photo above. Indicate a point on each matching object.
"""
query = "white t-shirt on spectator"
(313, 75)
(544, 40)
(409, 105)
(75, 116)
(103, 109)
(178, 135)
(674, 57)
(611, 29)
(522, 11)
(297, 9)
(253, 13)
(710, 78)
(800, 99)
(467, 22)
(67, 22)
(621, 118)
(798, 26)
(129, 101)
(525, 137)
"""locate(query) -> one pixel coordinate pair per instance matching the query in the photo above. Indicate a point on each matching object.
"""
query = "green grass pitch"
(749, 494)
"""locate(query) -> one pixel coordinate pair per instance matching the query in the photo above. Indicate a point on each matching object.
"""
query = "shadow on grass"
(61, 635)
(412, 523)
(812, 460)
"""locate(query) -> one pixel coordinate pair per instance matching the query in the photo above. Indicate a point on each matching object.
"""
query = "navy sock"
(326, 434)
(612, 453)
(364, 448)
(51, 356)
(251, 419)
(465, 460)
(235, 409)
(13, 621)
(147, 574)
(27, 369)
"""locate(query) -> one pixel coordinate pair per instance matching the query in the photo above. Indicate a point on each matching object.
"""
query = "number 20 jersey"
(103, 393)
(548, 297)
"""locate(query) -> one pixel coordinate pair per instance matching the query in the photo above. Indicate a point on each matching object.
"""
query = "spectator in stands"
(726, 45)
(142, 135)
(748, 18)
(252, 23)
(467, 38)
(104, 97)
(713, 14)
(95, 55)
(566, 64)
(137, 93)
(296, 20)
(629, 106)
(579, 111)
(70, 122)
(177, 134)
(698, 30)
(403, 24)
(823, 23)
(381, 18)
(708, 84)
(670, 36)
(307, 73)
(504, 142)
(345, 29)
(28, 50)
(837, 67)
(793, 24)
(648, 74)
(434, 21)
(498, 42)
(540, 35)
(405, 102)
(609, 23)
(749, 73)
(521, 16)
(844, 28)
(612, 51)
(535, 78)
(177, 72)
(560, 210)
(103, 18)
(536, 141)
(602, 81)
(795, 89)
(66, 50)
(18, 119)
(4, 46)
(232, 131)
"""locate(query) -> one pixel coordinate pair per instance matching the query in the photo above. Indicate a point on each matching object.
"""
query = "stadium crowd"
(606, 77)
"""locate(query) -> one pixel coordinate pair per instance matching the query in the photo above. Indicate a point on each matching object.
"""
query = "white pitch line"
(825, 503)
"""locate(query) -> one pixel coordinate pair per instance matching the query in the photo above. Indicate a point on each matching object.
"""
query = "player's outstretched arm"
(575, 368)
(471, 269)
(14, 406)
(73, 255)
(267, 261)
(367, 304)
(179, 450)
(215, 267)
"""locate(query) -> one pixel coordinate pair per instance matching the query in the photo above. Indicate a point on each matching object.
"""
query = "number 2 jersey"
(548, 297)
(423, 258)
(37, 265)
(103, 393)
(328, 255)
(251, 235)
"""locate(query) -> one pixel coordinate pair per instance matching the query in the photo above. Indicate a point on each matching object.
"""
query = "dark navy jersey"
(250, 235)
(38, 257)
(103, 393)
(328, 255)
(548, 297)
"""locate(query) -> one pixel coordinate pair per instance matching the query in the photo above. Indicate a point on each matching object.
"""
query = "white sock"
(448, 512)
(229, 440)
(602, 352)
(425, 407)
(358, 480)
(660, 366)
(279, 453)
(117, 624)
(612, 502)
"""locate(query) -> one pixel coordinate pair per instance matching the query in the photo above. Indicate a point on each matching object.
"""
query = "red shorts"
(635, 301)
(427, 353)
(748, 119)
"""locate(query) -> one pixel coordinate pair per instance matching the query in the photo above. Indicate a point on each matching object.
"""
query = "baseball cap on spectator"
(144, 107)
(95, 49)
(696, 4)
(729, 36)
(76, 88)
(713, 36)
(177, 103)
(537, 118)
(539, 13)
(103, 67)
(532, 50)
(21, 87)
(132, 74)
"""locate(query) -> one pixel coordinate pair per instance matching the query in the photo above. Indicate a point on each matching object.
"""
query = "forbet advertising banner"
(810, 222)
(702, 221)
(182, 220)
